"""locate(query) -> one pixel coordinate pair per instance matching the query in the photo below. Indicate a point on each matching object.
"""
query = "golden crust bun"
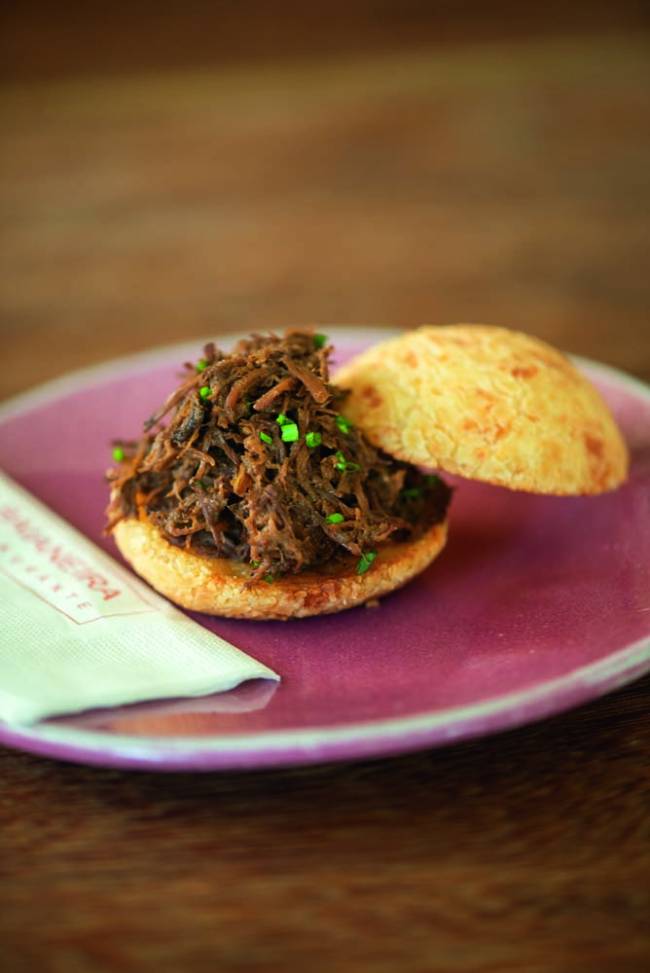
(218, 587)
(488, 404)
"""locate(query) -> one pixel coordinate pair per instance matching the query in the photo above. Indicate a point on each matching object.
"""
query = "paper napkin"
(78, 631)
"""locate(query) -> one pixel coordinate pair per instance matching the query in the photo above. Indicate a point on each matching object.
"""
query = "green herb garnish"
(344, 464)
(365, 561)
(205, 391)
(313, 439)
(320, 340)
(118, 454)
(269, 578)
(282, 420)
(264, 436)
(344, 424)
(201, 365)
(290, 432)
(335, 518)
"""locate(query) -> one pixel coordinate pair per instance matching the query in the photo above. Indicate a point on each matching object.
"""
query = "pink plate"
(537, 604)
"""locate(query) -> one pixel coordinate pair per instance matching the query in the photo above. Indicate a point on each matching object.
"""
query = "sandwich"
(258, 498)
(262, 489)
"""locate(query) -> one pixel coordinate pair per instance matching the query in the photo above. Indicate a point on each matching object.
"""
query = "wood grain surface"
(501, 183)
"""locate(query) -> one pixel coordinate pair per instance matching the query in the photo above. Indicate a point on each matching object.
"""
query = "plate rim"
(78, 378)
(354, 740)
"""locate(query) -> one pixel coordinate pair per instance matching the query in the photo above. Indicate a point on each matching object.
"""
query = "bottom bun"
(219, 587)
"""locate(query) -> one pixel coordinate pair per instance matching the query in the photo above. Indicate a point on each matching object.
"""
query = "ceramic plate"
(537, 604)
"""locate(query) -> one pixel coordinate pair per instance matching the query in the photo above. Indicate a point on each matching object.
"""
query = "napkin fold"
(78, 631)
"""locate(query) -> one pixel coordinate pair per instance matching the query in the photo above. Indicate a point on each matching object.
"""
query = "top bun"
(489, 404)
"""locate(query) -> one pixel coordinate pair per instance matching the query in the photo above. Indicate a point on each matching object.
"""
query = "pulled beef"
(227, 477)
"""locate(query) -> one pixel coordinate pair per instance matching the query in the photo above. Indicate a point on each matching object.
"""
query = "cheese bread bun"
(488, 404)
(219, 586)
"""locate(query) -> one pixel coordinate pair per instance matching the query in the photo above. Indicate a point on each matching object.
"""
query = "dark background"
(169, 170)
(174, 170)
(86, 37)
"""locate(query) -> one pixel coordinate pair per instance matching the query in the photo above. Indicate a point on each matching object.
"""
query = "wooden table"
(506, 184)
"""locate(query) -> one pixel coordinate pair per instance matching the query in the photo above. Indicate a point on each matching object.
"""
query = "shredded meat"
(257, 464)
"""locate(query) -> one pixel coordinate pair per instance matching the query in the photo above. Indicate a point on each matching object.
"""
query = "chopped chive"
(282, 420)
(255, 564)
(269, 578)
(412, 493)
(320, 340)
(201, 365)
(313, 439)
(344, 424)
(264, 436)
(345, 465)
(290, 433)
(365, 561)
(205, 391)
(118, 454)
(335, 518)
